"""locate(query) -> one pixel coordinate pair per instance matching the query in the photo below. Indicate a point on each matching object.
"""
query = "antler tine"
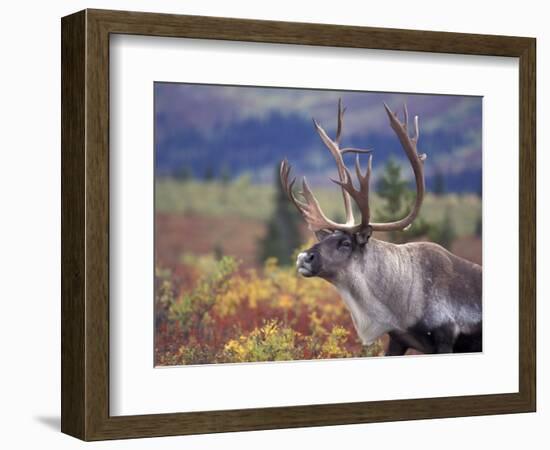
(310, 210)
(363, 179)
(365, 186)
(361, 196)
(287, 187)
(416, 160)
(335, 151)
(341, 112)
(343, 151)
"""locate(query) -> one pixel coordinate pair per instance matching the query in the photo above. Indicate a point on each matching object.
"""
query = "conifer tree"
(444, 234)
(283, 229)
(397, 198)
(439, 183)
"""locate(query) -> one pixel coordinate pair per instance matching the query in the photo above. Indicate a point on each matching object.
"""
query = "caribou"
(423, 296)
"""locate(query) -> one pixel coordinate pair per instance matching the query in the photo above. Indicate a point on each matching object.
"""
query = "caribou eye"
(344, 243)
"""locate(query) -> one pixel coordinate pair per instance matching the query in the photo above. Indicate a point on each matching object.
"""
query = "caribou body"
(423, 296)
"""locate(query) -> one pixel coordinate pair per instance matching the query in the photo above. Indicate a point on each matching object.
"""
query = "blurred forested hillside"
(204, 131)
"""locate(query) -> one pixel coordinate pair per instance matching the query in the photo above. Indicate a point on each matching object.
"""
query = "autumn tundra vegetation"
(226, 287)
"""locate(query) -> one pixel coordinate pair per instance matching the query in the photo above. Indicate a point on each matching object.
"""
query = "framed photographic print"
(270, 224)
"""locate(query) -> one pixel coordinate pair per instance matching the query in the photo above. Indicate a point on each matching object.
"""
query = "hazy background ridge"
(215, 130)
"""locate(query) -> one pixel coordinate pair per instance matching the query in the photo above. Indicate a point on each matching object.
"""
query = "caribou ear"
(322, 234)
(363, 235)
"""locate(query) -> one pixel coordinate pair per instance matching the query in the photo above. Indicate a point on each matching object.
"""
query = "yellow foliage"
(268, 343)
(285, 301)
(333, 345)
(236, 315)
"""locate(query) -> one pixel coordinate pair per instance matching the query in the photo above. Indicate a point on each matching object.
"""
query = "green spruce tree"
(444, 234)
(479, 227)
(225, 174)
(184, 173)
(283, 229)
(397, 198)
(439, 183)
(209, 174)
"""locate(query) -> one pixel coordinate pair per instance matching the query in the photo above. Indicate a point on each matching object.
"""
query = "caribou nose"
(305, 257)
(305, 263)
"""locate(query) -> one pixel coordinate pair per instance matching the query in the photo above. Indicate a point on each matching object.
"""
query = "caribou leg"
(396, 347)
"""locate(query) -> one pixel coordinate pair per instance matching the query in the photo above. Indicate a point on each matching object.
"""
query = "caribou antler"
(337, 152)
(361, 196)
(417, 163)
(310, 207)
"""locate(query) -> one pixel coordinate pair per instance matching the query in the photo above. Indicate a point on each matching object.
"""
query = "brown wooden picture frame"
(85, 224)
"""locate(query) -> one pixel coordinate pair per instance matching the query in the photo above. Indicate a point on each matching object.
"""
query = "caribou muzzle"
(308, 263)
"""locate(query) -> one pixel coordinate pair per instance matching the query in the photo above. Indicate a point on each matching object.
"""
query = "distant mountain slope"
(197, 143)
